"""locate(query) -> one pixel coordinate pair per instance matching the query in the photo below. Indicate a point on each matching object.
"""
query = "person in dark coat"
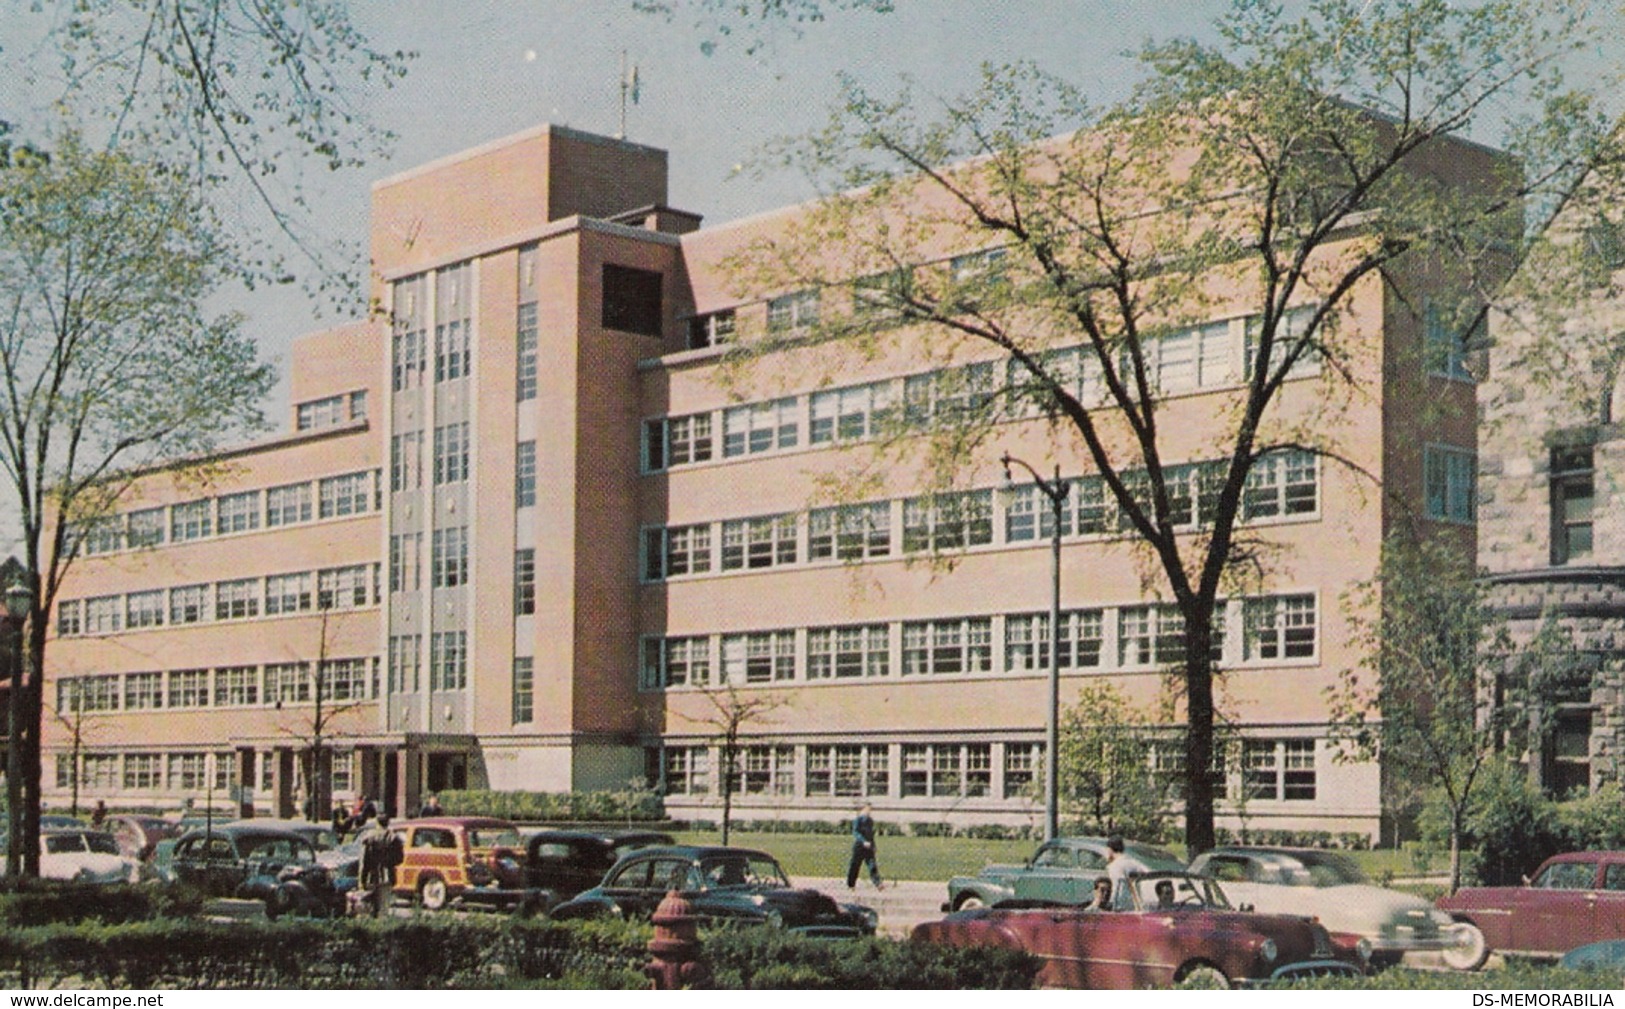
(863, 849)
(431, 807)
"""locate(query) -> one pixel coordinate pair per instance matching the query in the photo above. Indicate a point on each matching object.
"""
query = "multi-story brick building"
(525, 534)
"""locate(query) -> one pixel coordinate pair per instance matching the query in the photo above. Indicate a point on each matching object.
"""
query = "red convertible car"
(1573, 900)
(1166, 928)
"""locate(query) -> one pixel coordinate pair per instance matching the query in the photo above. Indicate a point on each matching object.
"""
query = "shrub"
(629, 805)
(931, 829)
(28, 902)
(766, 958)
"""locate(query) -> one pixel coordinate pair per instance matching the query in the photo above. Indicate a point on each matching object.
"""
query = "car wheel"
(1469, 951)
(432, 893)
(969, 902)
(1202, 975)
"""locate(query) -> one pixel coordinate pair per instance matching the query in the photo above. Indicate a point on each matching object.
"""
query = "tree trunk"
(1455, 848)
(1199, 835)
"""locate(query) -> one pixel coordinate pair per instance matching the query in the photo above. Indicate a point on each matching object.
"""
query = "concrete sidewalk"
(901, 905)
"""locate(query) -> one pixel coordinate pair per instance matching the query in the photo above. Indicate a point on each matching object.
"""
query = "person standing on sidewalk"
(863, 849)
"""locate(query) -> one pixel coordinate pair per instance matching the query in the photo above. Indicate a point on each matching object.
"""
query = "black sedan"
(725, 885)
(559, 864)
(257, 863)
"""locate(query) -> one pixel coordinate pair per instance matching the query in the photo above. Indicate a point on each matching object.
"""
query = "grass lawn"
(935, 859)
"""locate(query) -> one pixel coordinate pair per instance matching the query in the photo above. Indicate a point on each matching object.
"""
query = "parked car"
(138, 835)
(559, 864)
(1608, 955)
(1061, 871)
(1328, 885)
(48, 821)
(1573, 899)
(460, 859)
(734, 885)
(256, 862)
(320, 835)
(85, 856)
(1187, 932)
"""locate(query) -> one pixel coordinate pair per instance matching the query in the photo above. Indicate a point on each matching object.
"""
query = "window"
(146, 528)
(762, 657)
(287, 683)
(632, 300)
(287, 505)
(947, 769)
(448, 660)
(404, 652)
(406, 461)
(236, 686)
(524, 480)
(677, 441)
(104, 615)
(1444, 342)
(524, 582)
(104, 535)
(1023, 768)
(407, 357)
(343, 770)
(187, 771)
(792, 311)
(759, 543)
(851, 532)
(344, 588)
(452, 326)
(1279, 769)
(143, 691)
(238, 513)
(948, 646)
(1155, 635)
(688, 770)
(1027, 640)
(451, 453)
(852, 413)
(101, 771)
(344, 679)
(848, 770)
(768, 770)
(760, 427)
(1281, 483)
(237, 600)
(189, 688)
(711, 330)
(883, 297)
(449, 560)
(948, 521)
(524, 689)
(1289, 334)
(343, 495)
(405, 569)
(1448, 483)
(190, 521)
(287, 593)
(324, 412)
(1279, 627)
(848, 652)
(948, 395)
(188, 604)
(69, 618)
(525, 365)
(677, 550)
(144, 609)
(1573, 499)
(143, 770)
(676, 662)
(90, 693)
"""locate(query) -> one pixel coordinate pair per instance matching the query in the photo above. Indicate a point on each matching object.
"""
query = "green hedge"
(29, 902)
(629, 805)
(762, 958)
(1512, 827)
(1518, 975)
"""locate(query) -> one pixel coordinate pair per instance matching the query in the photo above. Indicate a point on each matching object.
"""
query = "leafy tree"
(1442, 686)
(733, 712)
(1278, 173)
(110, 363)
(1108, 782)
(753, 20)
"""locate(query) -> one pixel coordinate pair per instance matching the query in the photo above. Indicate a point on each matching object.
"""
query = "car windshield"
(1320, 869)
(1169, 892)
(742, 870)
(279, 849)
(495, 837)
(60, 844)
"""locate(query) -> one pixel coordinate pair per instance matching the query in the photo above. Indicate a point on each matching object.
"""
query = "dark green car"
(1062, 871)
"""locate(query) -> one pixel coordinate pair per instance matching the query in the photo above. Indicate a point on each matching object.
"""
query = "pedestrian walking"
(863, 849)
(381, 852)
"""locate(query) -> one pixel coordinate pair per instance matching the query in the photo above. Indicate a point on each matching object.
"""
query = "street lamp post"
(1056, 490)
(19, 603)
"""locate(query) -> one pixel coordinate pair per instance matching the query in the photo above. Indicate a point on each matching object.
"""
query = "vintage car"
(1165, 928)
(1573, 899)
(724, 885)
(84, 856)
(459, 859)
(1328, 885)
(138, 835)
(1061, 871)
(560, 864)
(255, 862)
(320, 835)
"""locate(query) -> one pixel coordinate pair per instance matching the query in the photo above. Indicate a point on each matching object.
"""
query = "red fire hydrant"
(676, 946)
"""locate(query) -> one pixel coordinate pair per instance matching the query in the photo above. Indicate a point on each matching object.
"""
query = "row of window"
(453, 327)
(331, 411)
(190, 772)
(1211, 356)
(448, 559)
(1268, 769)
(245, 511)
(343, 588)
(448, 662)
(1274, 629)
(1284, 484)
(339, 680)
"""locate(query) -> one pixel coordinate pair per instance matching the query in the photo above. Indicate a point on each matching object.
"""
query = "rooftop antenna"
(629, 88)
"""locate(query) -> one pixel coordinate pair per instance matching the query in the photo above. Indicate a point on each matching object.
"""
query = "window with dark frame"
(1573, 489)
(631, 299)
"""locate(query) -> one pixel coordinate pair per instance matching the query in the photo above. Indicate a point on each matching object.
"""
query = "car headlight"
(1363, 947)
(1267, 951)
